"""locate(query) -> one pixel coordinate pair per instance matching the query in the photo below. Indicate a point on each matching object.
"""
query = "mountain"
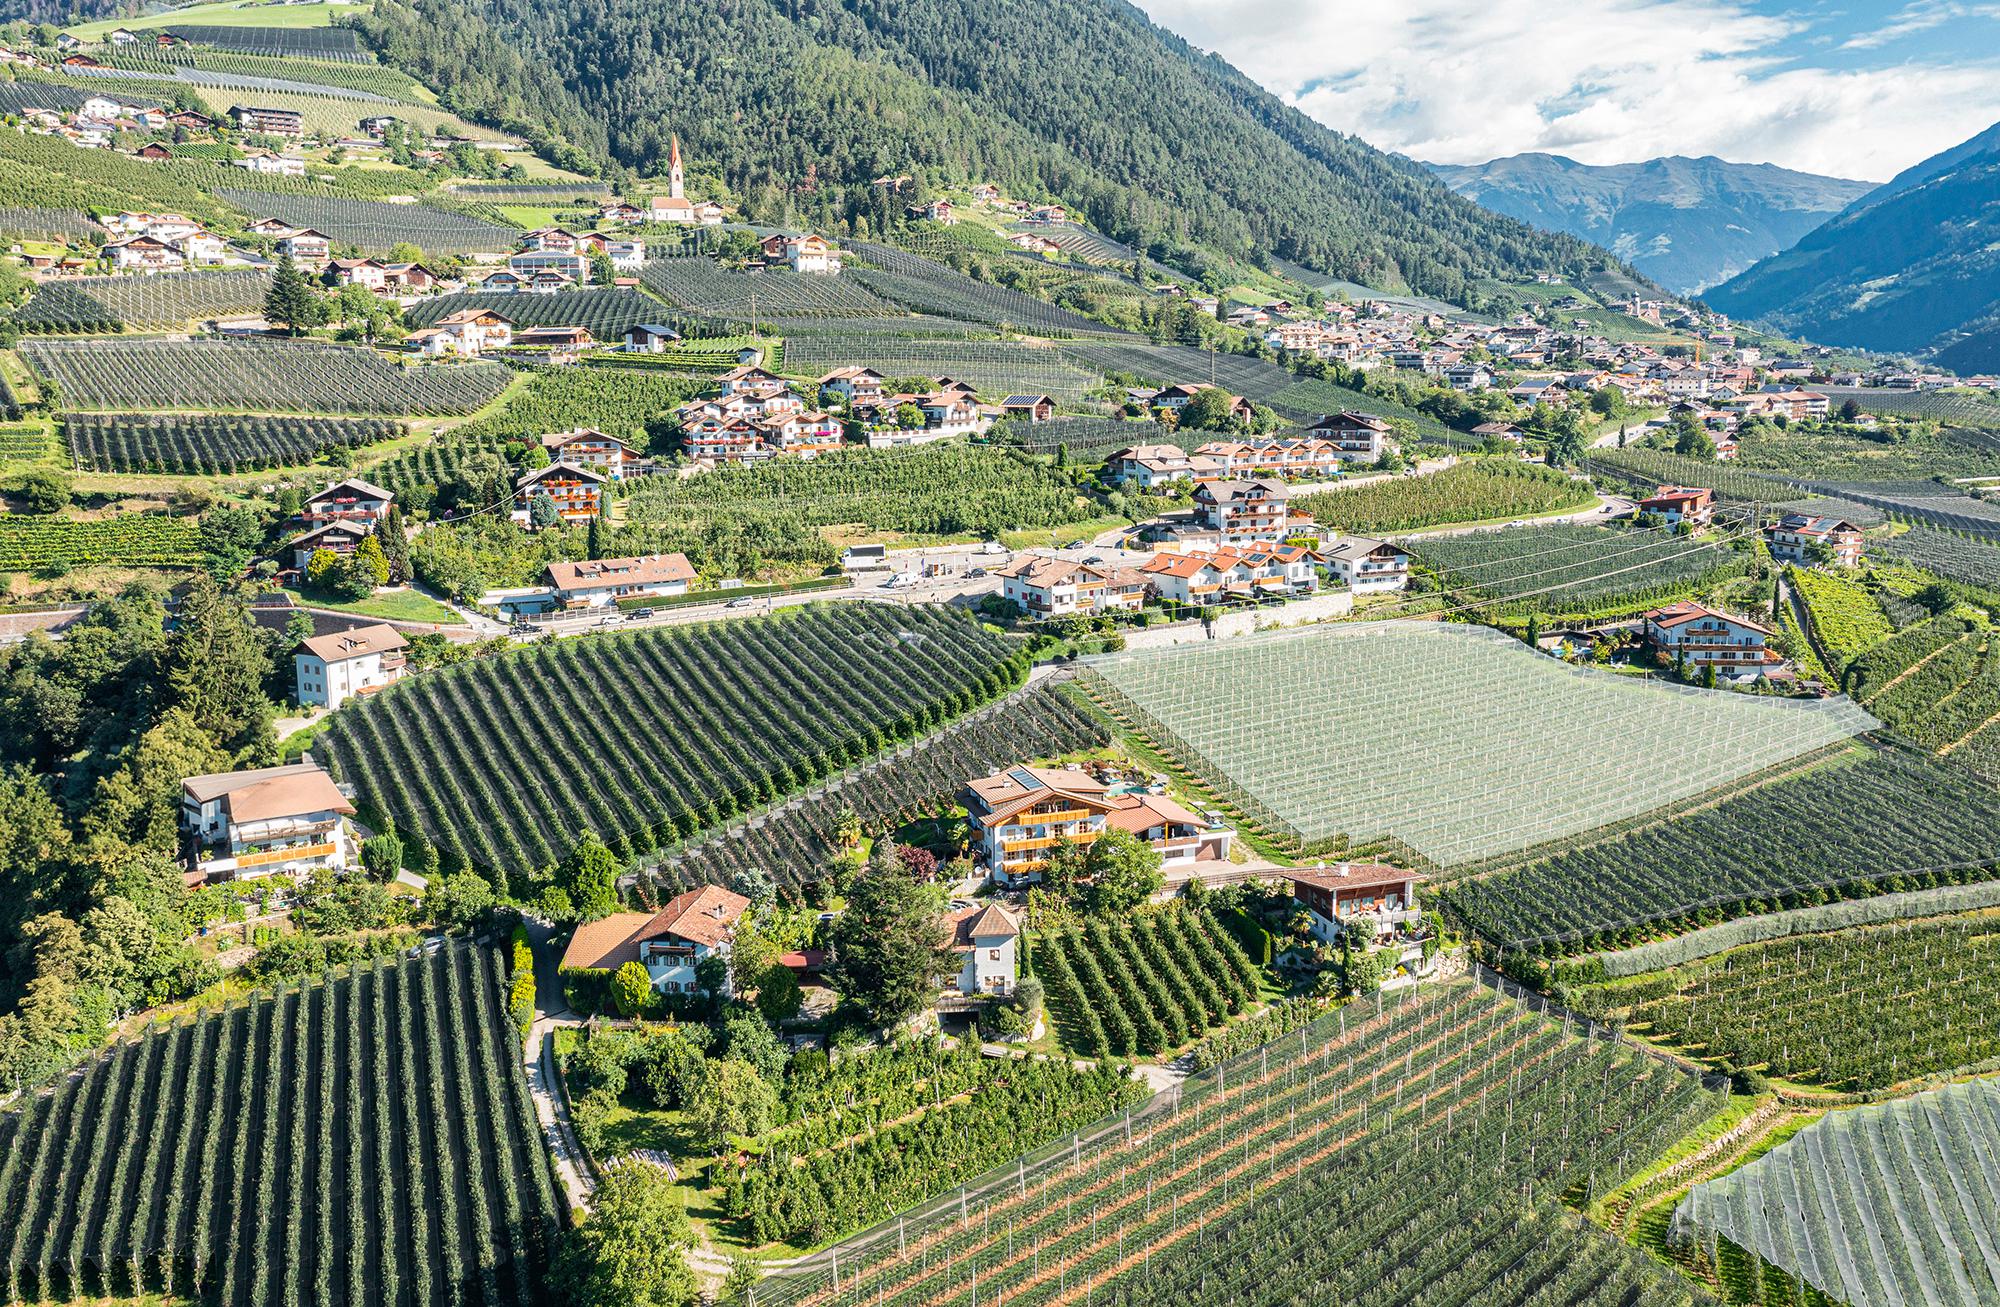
(1915, 269)
(797, 104)
(1686, 223)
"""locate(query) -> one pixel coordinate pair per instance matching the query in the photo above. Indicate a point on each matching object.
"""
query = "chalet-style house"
(464, 333)
(1055, 587)
(576, 492)
(1151, 466)
(1792, 539)
(1359, 437)
(1367, 566)
(1369, 898)
(853, 384)
(1291, 457)
(353, 500)
(387, 278)
(1244, 512)
(670, 944)
(602, 582)
(1019, 814)
(143, 254)
(589, 447)
(558, 338)
(1177, 397)
(1207, 577)
(331, 669)
(267, 164)
(304, 245)
(802, 253)
(1701, 637)
(754, 418)
(1694, 505)
(985, 937)
(649, 338)
(289, 821)
(339, 537)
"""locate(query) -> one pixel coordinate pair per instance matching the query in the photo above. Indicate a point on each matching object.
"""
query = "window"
(993, 955)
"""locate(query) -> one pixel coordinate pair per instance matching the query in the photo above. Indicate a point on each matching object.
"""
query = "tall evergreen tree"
(889, 947)
(216, 664)
(291, 302)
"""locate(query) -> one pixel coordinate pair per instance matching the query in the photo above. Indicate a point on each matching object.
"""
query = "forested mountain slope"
(1915, 269)
(1686, 223)
(799, 103)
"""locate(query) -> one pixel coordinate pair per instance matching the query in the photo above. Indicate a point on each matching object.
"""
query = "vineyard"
(1923, 501)
(651, 736)
(793, 844)
(48, 172)
(316, 74)
(1881, 1206)
(1091, 440)
(1143, 985)
(279, 376)
(166, 299)
(1809, 454)
(1846, 620)
(993, 367)
(1657, 467)
(606, 312)
(265, 74)
(1252, 378)
(1305, 400)
(798, 1192)
(29, 442)
(1972, 407)
(1394, 1153)
(60, 544)
(1365, 699)
(1895, 821)
(940, 489)
(1565, 568)
(334, 44)
(210, 443)
(926, 286)
(1476, 490)
(701, 285)
(1954, 557)
(44, 224)
(1080, 243)
(375, 225)
(1853, 1010)
(367, 1139)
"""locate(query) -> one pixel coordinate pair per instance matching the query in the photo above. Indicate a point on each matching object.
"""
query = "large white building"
(331, 669)
(288, 821)
(601, 582)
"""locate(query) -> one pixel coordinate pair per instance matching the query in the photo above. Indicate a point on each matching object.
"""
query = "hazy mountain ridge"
(1686, 223)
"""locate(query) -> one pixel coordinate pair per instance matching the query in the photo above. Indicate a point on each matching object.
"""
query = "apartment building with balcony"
(1020, 814)
(1702, 637)
(271, 821)
(1794, 537)
(1053, 587)
(577, 493)
(352, 500)
(1366, 565)
(1243, 512)
(331, 669)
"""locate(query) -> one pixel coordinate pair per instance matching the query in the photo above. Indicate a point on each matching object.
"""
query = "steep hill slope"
(1686, 223)
(799, 103)
(1919, 268)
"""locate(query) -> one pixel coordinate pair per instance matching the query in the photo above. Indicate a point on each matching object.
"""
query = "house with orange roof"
(986, 938)
(1055, 587)
(670, 944)
(1020, 814)
(1371, 898)
(268, 821)
(1701, 637)
(1678, 504)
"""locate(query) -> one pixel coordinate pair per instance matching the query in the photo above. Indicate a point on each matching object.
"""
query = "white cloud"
(1602, 81)
(1917, 16)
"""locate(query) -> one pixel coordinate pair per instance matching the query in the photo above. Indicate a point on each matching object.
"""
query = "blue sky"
(1854, 90)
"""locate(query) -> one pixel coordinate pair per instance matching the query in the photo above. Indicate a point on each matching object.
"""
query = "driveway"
(539, 1054)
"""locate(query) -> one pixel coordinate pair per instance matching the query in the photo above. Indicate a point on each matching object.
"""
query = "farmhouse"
(601, 582)
(1797, 537)
(304, 245)
(670, 944)
(649, 338)
(576, 492)
(1677, 504)
(467, 333)
(1368, 897)
(853, 384)
(555, 338)
(142, 254)
(1366, 565)
(271, 821)
(1150, 466)
(985, 938)
(1702, 637)
(805, 253)
(331, 669)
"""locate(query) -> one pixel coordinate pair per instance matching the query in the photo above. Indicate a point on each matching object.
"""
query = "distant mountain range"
(1911, 267)
(799, 105)
(1686, 223)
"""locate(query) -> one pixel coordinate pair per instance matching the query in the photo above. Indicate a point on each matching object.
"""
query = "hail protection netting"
(1458, 740)
(1883, 1206)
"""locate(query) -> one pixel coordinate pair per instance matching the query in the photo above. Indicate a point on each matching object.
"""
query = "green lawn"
(394, 606)
(233, 13)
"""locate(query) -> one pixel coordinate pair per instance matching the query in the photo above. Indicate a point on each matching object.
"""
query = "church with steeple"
(675, 206)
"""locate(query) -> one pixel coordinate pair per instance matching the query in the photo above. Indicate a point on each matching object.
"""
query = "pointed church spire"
(674, 177)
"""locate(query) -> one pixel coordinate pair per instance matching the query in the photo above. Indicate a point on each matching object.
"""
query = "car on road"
(638, 614)
(741, 603)
(975, 573)
(991, 547)
(1093, 560)
(522, 628)
(609, 619)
